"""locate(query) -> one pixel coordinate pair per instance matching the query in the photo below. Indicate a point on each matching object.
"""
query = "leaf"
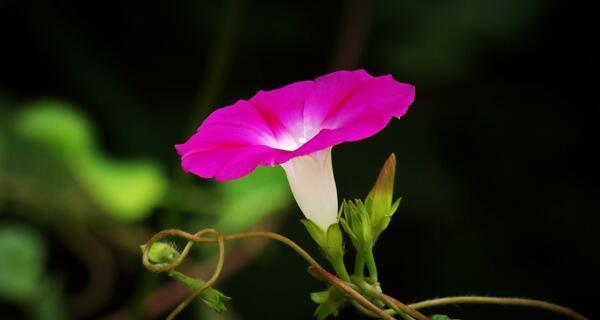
(22, 256)
(330, 302)
(126, 190)
(210, 296)
(57, 125)
(246, 201)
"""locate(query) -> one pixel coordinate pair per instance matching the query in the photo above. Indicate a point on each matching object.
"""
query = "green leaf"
(330, 302)
(126, 190)
(22, 256)
(210, 296)
(246, 201)
(57, 125)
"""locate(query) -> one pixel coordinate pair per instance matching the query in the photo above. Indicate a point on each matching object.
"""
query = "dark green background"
(496, 158)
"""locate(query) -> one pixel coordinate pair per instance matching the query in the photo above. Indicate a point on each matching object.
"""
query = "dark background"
(496, 157)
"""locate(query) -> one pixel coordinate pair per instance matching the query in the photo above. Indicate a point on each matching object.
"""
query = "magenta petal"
(282, 109)
(343, 97)
(230, 163)
(277, 125)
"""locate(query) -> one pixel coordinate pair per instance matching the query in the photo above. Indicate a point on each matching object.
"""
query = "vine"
(366, 297)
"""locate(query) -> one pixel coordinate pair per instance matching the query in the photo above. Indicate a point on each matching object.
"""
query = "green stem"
(359, 265)
(340, 268)
(370, 259)
(400, 308)
(347, 289)
(500, 301)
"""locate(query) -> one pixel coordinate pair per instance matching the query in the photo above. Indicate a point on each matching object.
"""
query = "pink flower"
(296, 126)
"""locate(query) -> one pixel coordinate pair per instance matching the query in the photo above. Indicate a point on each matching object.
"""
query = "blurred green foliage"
(500, 114)
(22, 260)
(127, 190)
(50, 304)
(23, 278)
(248, 200)
(55, 154)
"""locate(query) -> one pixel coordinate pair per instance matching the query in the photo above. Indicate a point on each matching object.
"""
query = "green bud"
(357, 224)
(211, 297)
(161, 252)
(379, 200)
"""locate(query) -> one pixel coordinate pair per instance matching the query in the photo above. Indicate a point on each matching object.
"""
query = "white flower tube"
(313, 185)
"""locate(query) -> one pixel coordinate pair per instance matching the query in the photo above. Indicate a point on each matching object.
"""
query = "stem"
(359, 265)
(340, 269)
(315, 267)
(348, 291)
(197, 238)
(402, 309)
(371, 266)
(348, 288)
(500, 301)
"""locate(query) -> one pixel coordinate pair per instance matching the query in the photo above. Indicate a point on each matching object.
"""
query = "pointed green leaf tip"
(316, 233)
(379, 200)
(211, 297)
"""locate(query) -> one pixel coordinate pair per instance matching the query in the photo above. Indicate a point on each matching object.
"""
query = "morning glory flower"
(296, 127)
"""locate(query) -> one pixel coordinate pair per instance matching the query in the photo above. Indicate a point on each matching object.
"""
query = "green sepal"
(161, 252)
(332, 244)
(335, 242)
(316, 233)
(330, 302)
(210, 296)
(383, 223)
(330, 241)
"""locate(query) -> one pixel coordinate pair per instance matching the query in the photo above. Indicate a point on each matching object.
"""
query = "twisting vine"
(358, 290)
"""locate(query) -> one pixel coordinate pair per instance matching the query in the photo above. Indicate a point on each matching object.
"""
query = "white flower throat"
(313, 185)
